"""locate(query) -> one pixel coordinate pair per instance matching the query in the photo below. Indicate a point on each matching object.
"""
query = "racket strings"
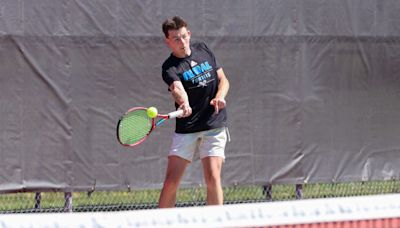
(134, 126)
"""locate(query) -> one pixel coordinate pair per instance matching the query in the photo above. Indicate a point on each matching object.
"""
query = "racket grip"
(175, 114)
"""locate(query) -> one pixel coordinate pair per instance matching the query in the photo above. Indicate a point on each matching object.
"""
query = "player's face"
(179, 42)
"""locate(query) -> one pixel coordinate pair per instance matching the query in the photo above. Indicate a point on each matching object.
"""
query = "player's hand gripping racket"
(137, 123)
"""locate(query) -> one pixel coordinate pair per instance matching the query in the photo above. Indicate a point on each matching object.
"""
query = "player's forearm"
(181, 98)
(178, 93)
(223, 86)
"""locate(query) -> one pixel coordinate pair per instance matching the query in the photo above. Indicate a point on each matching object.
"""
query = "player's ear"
(166, 38)
(167, 41)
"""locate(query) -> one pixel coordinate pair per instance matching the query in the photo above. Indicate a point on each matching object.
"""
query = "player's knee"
(213, 181)
(171, 183)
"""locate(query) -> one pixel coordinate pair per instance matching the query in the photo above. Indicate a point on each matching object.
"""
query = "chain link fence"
(53, 201)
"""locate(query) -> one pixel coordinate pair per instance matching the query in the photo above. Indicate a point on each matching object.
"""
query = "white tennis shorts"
(203, 144)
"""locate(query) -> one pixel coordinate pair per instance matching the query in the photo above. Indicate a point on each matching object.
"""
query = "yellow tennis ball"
(152, 112)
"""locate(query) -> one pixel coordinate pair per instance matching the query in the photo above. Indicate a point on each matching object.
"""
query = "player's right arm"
(180, 96)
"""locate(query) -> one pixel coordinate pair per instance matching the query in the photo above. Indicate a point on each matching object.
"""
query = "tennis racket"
(135, 125)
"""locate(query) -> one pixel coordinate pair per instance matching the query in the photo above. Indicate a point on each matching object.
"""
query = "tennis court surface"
(364, 211)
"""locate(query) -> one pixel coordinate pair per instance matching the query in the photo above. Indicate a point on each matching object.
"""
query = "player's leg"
(212, 166)
(175, 169)
(180, 155)
(212, 154)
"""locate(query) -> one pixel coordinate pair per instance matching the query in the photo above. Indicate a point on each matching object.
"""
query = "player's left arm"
(219, 101)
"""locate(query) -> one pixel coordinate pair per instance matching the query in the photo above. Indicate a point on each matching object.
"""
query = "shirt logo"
(197, 71)
(203, 83)
(193, 63)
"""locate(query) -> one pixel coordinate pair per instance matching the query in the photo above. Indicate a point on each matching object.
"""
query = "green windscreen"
(134, 126)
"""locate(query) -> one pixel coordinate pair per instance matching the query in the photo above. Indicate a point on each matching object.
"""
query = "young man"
(199, 86)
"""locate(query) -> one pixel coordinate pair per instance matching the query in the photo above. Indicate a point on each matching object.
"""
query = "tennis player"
(199, 86)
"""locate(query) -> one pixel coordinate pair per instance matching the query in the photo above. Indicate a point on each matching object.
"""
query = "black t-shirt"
(198, 74)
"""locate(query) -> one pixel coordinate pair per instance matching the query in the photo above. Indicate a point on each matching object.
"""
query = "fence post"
(267, 191)
(38, 200)
(299, 191)
(68, 201)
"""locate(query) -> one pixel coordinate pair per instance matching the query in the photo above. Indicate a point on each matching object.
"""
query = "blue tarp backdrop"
(315, 90)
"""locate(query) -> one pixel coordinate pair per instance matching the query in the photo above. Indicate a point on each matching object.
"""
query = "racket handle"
(175, 114)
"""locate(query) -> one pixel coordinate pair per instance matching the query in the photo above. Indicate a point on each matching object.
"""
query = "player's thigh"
(175, 168)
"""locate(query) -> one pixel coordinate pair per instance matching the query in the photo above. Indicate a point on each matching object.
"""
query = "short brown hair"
(173, 23)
